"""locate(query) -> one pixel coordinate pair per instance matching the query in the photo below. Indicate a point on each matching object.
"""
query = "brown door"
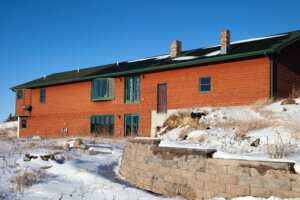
(162, 98)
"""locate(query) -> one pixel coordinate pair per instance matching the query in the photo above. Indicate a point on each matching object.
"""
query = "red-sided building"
(120, 99)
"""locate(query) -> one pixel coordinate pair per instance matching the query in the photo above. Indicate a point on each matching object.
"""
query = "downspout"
(271, 74)
(18, 127)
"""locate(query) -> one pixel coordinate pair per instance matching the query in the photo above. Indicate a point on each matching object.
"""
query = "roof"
(238, 49)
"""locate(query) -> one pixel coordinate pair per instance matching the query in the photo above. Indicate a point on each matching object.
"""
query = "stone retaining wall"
(194, 174)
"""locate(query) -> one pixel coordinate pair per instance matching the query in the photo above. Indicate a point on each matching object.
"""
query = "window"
(132, 89)
(19, 94)
(204, 84)
(132, 124)
(102, 124)
(23, 123)
(42, 95)
(103, 89)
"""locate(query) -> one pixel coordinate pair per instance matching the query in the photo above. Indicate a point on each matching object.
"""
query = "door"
(162, 98)
(131, 125)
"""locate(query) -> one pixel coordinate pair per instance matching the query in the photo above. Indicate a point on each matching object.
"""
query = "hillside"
(231, 130)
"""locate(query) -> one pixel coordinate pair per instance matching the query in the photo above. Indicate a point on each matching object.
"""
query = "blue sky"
(38, 38)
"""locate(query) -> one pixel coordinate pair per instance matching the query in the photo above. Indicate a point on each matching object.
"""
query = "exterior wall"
(25, 101)
(70, 106)
(193, 174)
(287, 71)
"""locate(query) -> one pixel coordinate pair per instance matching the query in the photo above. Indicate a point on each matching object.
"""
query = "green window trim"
(129, 120)
(42, 95)
(132, 89)
(23, 123)
(205, 84)
(103, 89)
(104, 122)
(20, 95)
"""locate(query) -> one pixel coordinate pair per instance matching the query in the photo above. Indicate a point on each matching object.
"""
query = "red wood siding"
(287, 70)
(70, 106)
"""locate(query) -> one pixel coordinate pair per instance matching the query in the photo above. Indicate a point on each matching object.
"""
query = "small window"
(132, 89)
(103, 89)
(42, 95)
(102, 124)
(204, 84)
(19, 94)
(23, 123)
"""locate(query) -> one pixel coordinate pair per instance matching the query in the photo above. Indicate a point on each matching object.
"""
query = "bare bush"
(295, 93)
(26, 179)
(288, 101)
(242, 127)
(280, 148)
(261, 103)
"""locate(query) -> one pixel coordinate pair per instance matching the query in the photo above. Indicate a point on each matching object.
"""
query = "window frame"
(23, 120)
(42, 102)
(18, 98)
(133, 90)
(103, 98)
(206, 91)
(108, 134)
(132, 115)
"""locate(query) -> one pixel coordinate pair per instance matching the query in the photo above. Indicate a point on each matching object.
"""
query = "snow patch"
(186, 58)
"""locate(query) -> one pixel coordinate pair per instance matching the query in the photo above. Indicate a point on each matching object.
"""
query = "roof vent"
(44, 77)
(225, 41)
(175, 48)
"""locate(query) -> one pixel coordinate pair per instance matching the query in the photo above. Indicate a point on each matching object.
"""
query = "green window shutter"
(102, 124)
(19, 94)
(204, 84)
(103, 89)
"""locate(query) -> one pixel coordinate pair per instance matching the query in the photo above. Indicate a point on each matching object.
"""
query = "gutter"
(169, 66)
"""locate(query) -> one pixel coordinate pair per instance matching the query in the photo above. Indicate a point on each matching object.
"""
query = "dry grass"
(280, 148)
(242, 127)
(295, 93)
(288, 101)
(261, 103)
(26, 179)
(183, 119)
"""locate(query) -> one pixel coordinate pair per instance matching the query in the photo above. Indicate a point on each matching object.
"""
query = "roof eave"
(169, 66)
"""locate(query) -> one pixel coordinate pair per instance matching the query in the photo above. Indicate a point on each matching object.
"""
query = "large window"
(204, 84)
(19, 94)
(132, 124)
(42, 95)
(102, 124)
(103, 89)
(23, 123)
(132, 89)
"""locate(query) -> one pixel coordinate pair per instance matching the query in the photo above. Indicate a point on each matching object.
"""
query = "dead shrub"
(295, 93)
(183, 119)
(183, 134)
(27, 179)
(288, 101)
(280, 148)
(261, 103)
(242, 127)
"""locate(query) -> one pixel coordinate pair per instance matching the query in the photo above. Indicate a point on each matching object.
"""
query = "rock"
(255, 143)
(288, 101)
(198, 115)
(67, 147)
(33, 157)
(45, 157)
(27, 157)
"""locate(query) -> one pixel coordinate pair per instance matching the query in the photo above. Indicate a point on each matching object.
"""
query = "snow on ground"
(231, 131)
(74, 177)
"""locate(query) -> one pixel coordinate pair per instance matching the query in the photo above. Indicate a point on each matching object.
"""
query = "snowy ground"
(79, 177)
(231, 130)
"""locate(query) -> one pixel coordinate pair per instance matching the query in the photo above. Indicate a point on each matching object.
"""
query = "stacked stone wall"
(194, 174)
